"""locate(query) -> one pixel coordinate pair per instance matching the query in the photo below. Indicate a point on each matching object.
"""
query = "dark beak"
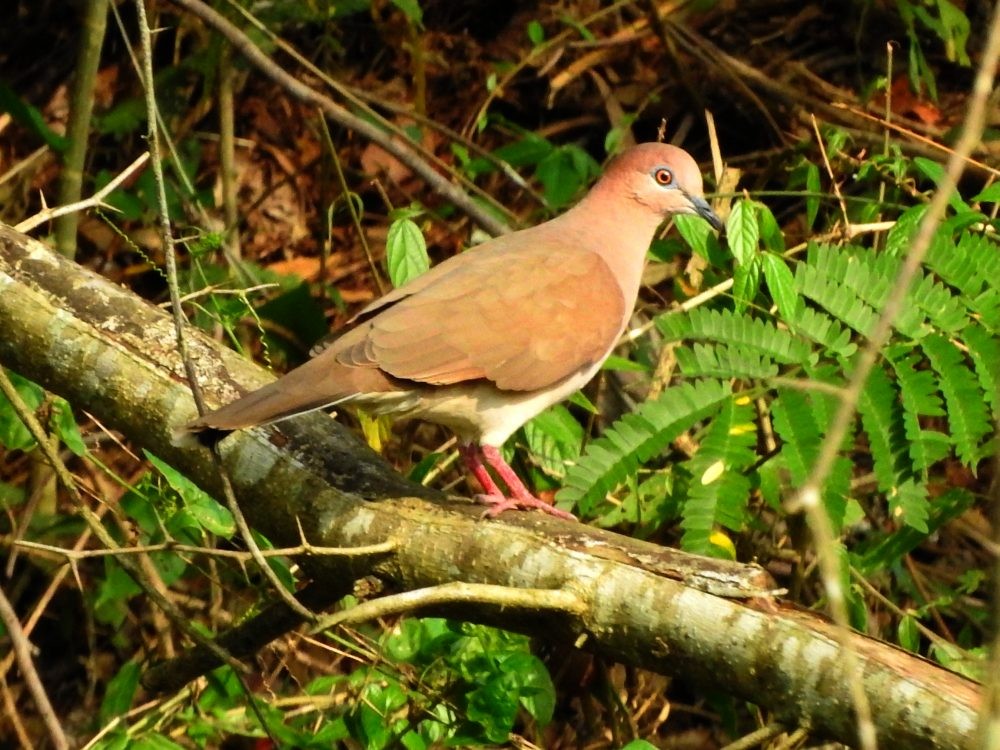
(705, 211)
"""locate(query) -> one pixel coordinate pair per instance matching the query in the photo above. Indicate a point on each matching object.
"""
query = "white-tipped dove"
(489, 338)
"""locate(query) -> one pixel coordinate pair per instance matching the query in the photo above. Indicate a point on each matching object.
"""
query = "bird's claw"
(499, 504)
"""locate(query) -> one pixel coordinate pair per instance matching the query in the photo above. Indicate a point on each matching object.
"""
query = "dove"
(491, 337)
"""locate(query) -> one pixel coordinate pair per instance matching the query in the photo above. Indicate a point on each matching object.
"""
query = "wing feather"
(524, 319)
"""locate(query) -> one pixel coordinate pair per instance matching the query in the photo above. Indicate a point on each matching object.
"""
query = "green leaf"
(116, 740)
(419, 472)
(536, 34)
(493, 706)
(968, 416)
(563, 174)
(770, 232)
(900, 237)
(821, 328)
(113, 592)
(212, 516)
(955, 30)
(781, 284)
(908, 634)
(719, 488)
(405, 252)
(813, 187)
(910, 504)
(746, 283)
(411, 9)
(743, 231)
(535, 688)
(838, 299)
(700, 238)
(120, 692)
(882, 416)
(554, 440)
(723, 361)
(919, 398)
(984, 350)
(154, 741)
(30, 118)
(635, 439)
(64, 424)
(13, 434)
(795, 422)
(990, 195)
(614, 363)
(802, 425)
(934, 171)
(886, 552)
(725, 326)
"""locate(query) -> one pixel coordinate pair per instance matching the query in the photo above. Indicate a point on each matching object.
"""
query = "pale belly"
(476, 413)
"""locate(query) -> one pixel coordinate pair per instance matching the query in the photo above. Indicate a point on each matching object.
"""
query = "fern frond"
(554, 438)
(967, 412)
(887, 551)
(835, 275)
(718, 489)
(721, 361)
(795, 422)
(724, 326)
(986, 306)
(942, 307)
(919, 397)
(835, 298)
(984, 350)
(882, 417)
(909, 504)
(900, 237)
(970, 265)
(794, 416)
(821, 328)
(636, 438)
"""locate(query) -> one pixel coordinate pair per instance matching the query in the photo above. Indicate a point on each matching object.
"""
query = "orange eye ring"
(663, 176)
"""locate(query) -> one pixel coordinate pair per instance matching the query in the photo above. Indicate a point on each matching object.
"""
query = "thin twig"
(756, 738)
(451, 593)
(22, 651)
(302, 549)
(96, 200)
(351, 208)
(829, 170)
(921, 139)
(227, 150)
(177, 313)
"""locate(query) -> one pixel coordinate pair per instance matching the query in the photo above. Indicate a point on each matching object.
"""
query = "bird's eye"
(663, 176)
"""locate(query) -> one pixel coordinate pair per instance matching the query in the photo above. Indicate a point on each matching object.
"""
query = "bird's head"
(663, 178)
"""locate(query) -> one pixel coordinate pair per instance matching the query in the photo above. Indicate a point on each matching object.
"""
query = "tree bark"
(109, 352)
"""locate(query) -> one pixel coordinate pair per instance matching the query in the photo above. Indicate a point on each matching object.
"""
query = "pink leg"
(522, 498)
(470, 455)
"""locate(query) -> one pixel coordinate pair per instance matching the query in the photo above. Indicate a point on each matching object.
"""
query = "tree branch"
(104, 349)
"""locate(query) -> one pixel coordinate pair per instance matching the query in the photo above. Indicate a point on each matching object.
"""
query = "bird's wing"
(523, 320)
(387, 300)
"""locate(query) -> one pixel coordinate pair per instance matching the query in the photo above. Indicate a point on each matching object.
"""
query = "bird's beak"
(701, 207)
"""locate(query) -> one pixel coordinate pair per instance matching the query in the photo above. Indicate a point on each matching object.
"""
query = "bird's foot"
(500, 503)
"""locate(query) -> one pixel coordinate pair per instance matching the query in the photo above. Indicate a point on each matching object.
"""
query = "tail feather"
(317, 384)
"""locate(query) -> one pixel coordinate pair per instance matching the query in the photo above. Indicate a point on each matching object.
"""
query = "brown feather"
(505, 318)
